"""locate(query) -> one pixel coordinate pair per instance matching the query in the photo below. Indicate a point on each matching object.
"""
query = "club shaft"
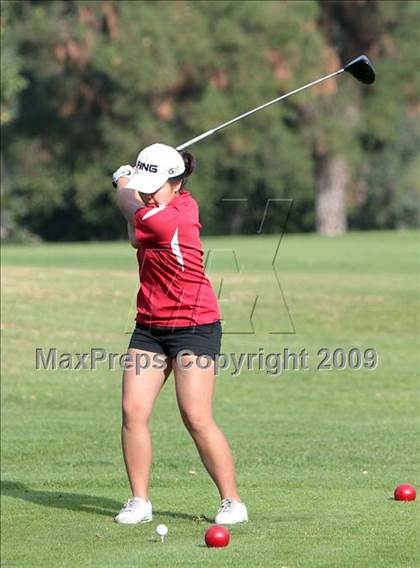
(265, 105)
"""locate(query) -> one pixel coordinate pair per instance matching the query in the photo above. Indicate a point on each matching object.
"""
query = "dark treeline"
(86, 85)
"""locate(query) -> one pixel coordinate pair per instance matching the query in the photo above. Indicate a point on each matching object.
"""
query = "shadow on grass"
(186, 516)
(62, 500)
(80, 502)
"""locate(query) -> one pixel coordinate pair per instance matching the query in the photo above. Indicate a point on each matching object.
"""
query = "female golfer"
(177, 327)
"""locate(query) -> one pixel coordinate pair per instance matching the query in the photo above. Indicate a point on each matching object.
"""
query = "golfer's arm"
(131, 235)
(128, 200)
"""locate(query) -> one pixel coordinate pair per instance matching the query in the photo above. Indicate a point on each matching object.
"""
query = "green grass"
(318, 453)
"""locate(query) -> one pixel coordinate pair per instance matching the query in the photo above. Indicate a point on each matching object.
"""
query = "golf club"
(361, 68)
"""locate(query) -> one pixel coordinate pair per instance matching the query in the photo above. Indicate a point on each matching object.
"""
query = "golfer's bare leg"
(194, 391)
(139, 392)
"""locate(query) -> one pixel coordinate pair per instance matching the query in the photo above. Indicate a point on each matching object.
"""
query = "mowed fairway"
(318, 452)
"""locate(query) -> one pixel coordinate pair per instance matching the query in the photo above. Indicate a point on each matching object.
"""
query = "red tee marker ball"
(405, 492)
(217, 536)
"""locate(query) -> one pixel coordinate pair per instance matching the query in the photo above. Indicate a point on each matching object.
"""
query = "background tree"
(12, 82)
(86, 84)
(383, 188)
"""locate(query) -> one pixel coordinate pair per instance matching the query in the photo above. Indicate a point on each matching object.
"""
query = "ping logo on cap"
(152, 168)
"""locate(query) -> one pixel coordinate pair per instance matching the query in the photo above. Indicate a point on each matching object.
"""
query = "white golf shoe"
(136, 510)
(231, 512)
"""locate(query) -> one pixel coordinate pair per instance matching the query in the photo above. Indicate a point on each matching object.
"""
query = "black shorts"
(200, 339)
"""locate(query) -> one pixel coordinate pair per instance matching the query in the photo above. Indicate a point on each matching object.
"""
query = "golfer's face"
(162, 196)
(148, 198)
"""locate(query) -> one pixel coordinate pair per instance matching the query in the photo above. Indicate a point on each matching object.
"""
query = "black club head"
(362, 69)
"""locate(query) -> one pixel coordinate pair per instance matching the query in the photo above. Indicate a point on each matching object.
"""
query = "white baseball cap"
(154, 166)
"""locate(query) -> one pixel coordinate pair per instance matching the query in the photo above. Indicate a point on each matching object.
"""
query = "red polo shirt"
(174, 290)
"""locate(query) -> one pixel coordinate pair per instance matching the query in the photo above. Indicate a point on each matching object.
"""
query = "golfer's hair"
(189, 162)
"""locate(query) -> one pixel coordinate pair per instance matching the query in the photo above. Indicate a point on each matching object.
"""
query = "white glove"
(123, 171)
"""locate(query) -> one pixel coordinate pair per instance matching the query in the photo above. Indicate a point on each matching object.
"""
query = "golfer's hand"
(123, 171)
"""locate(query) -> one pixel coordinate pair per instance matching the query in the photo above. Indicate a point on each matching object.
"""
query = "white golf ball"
(162, 530)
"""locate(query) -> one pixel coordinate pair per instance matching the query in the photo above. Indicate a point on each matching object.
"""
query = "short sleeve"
(156, 224)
